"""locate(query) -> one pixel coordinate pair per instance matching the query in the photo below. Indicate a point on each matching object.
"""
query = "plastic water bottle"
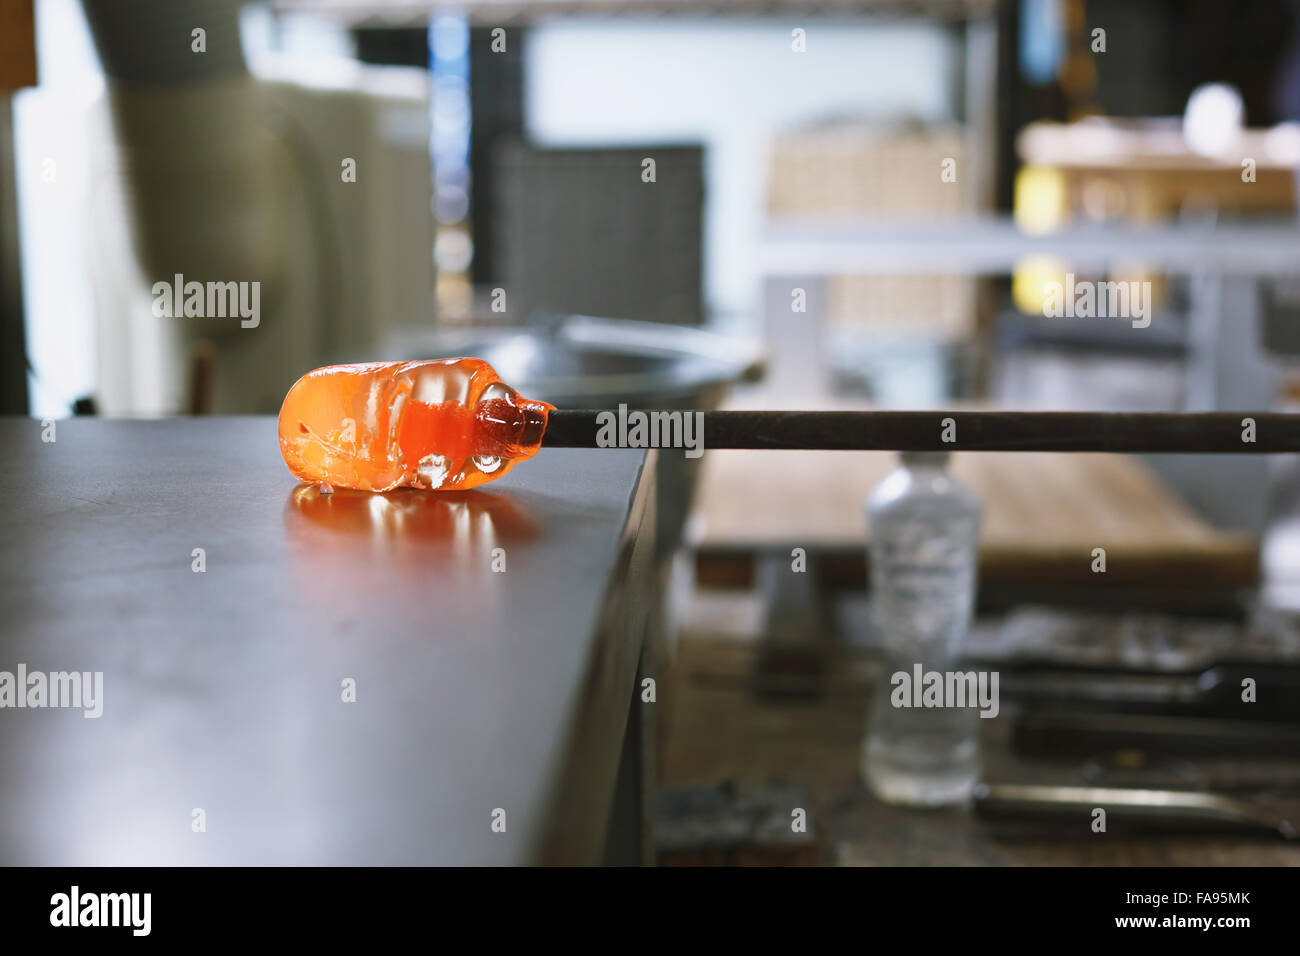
(924, 531)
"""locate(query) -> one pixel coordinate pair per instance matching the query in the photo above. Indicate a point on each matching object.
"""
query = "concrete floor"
(718, 730)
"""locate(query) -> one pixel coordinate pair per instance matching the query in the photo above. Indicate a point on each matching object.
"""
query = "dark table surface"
(223, 689)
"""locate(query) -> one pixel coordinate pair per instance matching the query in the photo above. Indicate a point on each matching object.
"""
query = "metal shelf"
(996, 246)
(505, 12)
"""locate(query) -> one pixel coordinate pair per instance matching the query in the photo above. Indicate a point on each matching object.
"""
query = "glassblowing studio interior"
(594, 434)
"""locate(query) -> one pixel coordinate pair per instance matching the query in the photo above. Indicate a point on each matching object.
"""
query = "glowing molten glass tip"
(445, 424)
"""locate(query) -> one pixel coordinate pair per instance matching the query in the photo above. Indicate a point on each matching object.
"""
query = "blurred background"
(799, 201)
(850, 203)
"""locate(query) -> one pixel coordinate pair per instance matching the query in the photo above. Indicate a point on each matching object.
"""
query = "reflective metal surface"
(585, 362)
(224, 688)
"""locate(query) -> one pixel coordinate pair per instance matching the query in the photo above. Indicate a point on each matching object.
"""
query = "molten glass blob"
(441, 424)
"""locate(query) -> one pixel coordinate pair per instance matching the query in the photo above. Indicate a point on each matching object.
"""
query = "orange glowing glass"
(441, 424)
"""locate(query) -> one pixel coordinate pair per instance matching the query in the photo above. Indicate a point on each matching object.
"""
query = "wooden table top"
(1044, 513)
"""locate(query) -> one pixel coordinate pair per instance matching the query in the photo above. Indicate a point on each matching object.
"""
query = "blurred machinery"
(622, 227)
(314, 189)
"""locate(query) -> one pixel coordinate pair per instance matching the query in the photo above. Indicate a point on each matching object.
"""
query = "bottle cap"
(925, 459)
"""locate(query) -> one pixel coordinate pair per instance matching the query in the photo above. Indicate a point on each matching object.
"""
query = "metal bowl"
(579, 361)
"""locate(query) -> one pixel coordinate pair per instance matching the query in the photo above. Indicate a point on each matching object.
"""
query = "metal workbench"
(476, 689)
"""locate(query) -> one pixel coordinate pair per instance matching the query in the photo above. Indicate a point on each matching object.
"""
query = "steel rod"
(1157, 432)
